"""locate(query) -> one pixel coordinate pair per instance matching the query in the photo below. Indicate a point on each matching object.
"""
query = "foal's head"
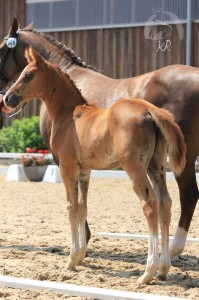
(31, 83)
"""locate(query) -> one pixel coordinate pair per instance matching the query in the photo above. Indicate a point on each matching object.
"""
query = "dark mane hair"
(66, 50)
(75, 87)
(72, 82)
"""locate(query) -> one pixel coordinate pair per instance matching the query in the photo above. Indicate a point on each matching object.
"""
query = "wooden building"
(116, 51)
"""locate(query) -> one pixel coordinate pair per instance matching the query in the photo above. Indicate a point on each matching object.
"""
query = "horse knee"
(72, 213)
(150, 208)
(165, 212)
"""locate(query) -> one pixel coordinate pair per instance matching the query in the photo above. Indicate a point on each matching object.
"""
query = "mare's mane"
(66, 50)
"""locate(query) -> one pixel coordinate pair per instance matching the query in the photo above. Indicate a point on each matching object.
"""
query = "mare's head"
(30, 83)
(12, 60)
(12, 48)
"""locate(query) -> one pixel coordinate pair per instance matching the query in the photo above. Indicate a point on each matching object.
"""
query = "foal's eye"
(28, 77)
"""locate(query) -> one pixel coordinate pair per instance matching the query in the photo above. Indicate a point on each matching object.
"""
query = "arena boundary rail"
(77, 290)
(130, 236)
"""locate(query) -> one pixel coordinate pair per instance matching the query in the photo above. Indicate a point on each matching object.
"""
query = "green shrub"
(22, 134)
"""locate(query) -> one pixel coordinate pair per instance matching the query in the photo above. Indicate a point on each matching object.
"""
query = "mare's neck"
(61, 96)
(48, 50)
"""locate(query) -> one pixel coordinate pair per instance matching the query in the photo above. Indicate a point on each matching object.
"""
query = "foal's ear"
(33, 56)
(27, 56)
(14, 27)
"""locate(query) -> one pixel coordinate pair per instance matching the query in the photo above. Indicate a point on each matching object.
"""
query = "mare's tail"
(174, 137)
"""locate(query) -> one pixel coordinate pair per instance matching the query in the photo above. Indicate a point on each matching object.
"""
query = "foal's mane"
(72, 83)
(66, 50)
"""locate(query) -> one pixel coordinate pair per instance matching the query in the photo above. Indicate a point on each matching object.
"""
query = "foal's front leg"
(70, 180)
(84, 178)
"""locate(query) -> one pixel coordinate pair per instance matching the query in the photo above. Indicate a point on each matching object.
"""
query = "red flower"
(46, 151)
(40, 151)
(30, 150)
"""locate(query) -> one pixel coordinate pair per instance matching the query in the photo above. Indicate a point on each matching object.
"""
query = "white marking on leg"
(178, 243)
(74, 246)
(164, 261)
(152, 260)
(83, 245)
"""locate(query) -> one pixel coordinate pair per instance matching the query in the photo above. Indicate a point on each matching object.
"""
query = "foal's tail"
(174, 137)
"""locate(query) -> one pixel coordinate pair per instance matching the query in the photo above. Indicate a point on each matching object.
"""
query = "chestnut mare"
(175, 88)
(133, 134)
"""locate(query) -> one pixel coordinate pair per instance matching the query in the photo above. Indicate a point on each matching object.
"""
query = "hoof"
(71, 266)
(144, 279)
(161, 277)
(79, 262)
(163, 270)
(81, 256)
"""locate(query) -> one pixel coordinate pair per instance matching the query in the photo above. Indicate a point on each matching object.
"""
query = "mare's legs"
(88, 232)
(69, 176)
(144, 191)
(157, 173)
(188, 199)
(84, 178)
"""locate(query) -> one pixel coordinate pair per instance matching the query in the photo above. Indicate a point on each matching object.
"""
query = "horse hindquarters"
(156, 202)
(157, 174)
(134, 139)
(171, 135)
(141, 133)
(177, 151)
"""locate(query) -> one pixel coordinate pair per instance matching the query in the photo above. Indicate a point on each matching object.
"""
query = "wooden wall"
(116, 52)
(123, 52)
(8, 10)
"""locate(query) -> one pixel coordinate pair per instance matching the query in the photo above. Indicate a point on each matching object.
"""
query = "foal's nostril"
(5, 99)
(11, 100)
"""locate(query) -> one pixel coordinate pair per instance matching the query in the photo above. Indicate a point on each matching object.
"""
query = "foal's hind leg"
(157, 173)
(84, 178)
(144, 191)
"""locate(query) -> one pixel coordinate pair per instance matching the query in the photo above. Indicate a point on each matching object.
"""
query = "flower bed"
(30, 159)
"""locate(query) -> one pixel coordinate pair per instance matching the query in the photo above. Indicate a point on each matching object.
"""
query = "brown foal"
(133, 134)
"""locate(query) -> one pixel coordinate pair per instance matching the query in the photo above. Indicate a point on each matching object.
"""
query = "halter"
(2, 77)
(11, 44)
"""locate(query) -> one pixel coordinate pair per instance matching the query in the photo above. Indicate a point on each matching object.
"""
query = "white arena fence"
(53, 173)
(130, 236)
(77, 290)
(19, 155)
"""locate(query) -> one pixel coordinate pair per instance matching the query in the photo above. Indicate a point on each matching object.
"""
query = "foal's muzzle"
(12, 100)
